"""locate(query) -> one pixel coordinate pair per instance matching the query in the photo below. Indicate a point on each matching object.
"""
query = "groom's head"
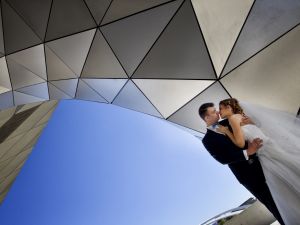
(208, 113)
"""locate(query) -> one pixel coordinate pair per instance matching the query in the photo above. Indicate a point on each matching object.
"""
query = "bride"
(280, 154)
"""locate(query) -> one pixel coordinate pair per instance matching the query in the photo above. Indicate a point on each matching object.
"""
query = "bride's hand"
(222, 129)
(246, 120)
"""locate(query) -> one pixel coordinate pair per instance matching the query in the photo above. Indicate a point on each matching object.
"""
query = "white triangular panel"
(221, 22)
(169, 95)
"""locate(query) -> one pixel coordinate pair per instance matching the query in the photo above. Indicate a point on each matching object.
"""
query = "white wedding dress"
(279, 156)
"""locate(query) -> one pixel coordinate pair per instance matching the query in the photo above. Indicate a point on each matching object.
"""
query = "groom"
(243, 162)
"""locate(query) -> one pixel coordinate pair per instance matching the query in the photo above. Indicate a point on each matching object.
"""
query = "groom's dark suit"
(248, 172)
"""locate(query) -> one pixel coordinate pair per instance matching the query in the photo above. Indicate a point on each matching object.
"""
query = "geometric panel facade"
(162, 58)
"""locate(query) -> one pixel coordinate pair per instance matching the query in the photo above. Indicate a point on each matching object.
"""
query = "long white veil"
(282, 127)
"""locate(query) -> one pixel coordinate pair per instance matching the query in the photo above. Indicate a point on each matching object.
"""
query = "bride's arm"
(237, 137)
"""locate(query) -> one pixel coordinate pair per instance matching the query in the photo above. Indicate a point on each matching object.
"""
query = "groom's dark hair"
(203, 109)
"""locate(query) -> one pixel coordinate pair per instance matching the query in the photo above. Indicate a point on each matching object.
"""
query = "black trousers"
(254, 180)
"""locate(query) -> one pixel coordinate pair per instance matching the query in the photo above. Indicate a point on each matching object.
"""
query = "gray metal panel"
(56, 68)
(56, 93)
(21, 98)
(131, 38)
(101, 61)
(73, 50)
(180, 52)
(188, 115)
(6, 100)
(68, 17)
(267, 21)
(33, 59)
(271, 78)
(17, 34)
(20, 76)
(85, 92)
(98, 8)
(132, 98)
(108, 88)
(122, 8)
(5, 84)
(38, 90)
(68, 86)
(1, 37)
(34, 12)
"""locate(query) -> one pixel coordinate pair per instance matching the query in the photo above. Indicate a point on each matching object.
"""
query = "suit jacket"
(226, 152)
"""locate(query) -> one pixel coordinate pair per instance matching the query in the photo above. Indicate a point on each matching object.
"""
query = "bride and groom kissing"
(264, 159)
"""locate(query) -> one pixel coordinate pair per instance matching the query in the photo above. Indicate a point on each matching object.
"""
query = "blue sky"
(102, 164)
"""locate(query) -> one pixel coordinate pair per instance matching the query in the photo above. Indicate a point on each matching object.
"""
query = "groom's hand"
(254, 146)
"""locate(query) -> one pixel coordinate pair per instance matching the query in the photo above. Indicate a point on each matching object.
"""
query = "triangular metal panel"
(85, 92)
(6, 100)
(20, 76)
(132, 98)
(5, 84)
(108, 88)
(38, 90)
(138, 33)
(180, 52)
(268, 20)
(68, 17)
(101, 61)
(98, 8)
(169, 95)
(123, 8)
(68, 86)
(33, 59)
(35, 13)
(55, 93)
(21, 98)
(56, 68)
(18, 35)
(271, 78)
(73, 50)
(221, 22)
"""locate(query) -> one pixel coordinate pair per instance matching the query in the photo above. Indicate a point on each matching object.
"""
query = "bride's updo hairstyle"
(234, 104)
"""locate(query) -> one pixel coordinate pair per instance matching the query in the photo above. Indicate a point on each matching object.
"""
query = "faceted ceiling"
(162, 58)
